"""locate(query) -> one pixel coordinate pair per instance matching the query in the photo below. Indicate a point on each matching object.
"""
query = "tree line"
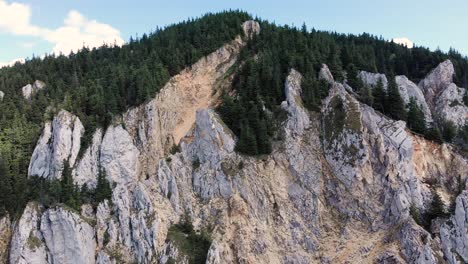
(16, 192)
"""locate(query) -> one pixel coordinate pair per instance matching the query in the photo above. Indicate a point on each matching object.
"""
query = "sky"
(37, 27)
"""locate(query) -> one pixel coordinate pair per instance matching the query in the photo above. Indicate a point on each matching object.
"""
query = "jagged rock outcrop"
(27, 245)
(408, 90)
(251, 28)
(372, 155)
(60, 141)
(371, 79)
(293, 103)
(31, 89)
(88, 166)
(454, 232)
(443, 96)
(53, 236)
(119, 156)
(325, 74)
(67, 236)
(437, 81)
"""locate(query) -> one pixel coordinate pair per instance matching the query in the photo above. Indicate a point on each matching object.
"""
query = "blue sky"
(40, 26)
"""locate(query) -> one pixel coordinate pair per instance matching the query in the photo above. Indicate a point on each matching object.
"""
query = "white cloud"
(404, 41)
(78, 31)
(11, 63)
(15, 18)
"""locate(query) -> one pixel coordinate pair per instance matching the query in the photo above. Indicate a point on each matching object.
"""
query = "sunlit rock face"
(31, 89)
(443, 96)
(60, 141)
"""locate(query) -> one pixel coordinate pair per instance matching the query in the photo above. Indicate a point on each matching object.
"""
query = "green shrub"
(191, 244)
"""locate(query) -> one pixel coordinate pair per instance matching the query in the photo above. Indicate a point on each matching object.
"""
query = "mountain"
(228, 139)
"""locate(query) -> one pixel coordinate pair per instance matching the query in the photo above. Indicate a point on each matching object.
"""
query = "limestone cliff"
(60, 141)
(443, 96)
(337, 188)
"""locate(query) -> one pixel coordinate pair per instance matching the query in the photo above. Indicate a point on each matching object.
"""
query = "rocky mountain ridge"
(339, 187)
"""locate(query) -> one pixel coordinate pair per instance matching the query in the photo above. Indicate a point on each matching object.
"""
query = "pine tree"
(66, 182)
(366, 95)
(247, 142)
(103, 189)
(334, 62)
(434, 134)
(353, 79)
(437, 207)
(6, 190)
(416, 120)
(449, 131)
(263, 141)
(380, 96)
(309, 92)
(394, 107)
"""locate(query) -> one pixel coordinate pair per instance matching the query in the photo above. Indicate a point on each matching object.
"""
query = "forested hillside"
(270, 56)
(99, 84)
(96, 85)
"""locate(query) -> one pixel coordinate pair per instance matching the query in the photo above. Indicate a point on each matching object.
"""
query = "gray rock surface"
(454, 232)
(60, 141)
(27, 244)
(68, 237)
(251, 28)
(31, 89)
(408, 90)
(119, 156)
(87, 168)
(326, 74)
(371, 79)
(443, 96)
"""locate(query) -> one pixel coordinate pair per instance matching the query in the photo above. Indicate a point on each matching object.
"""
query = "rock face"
(27, 245)
(294, 103)
(68, 238)
(443, 96)
(53, 236)
(437, 81)
(31, 89)
(2, 95)
(453, 233)
(326, 74)
(251, 28)
(60, 141)
(87, 167)
(337, 188)
(408, 90)
(371, 79)
(119, 156)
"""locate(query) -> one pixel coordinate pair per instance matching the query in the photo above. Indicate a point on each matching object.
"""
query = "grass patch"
(33, 241)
